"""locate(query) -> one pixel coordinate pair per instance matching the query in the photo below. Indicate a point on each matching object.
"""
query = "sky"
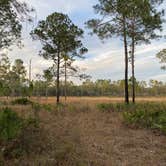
(104, 60)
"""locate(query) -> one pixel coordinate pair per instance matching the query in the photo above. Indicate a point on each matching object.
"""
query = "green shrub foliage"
(21, 101)
(10, 124)
(148, 115)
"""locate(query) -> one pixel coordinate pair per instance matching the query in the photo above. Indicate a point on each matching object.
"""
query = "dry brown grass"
(81, 133)
(96, 100)
(90, 100)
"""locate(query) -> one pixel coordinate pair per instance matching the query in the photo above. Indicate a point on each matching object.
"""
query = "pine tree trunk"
(133, 68)
(46, 93)
(126, 61)
(58, 83)
(65, 81)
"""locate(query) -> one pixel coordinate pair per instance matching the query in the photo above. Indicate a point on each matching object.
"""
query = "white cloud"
(150, 48)
(160, 77)
(44, 7)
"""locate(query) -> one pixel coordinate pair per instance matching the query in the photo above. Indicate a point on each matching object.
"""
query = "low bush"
(31, 122)
(105, 107)
(10, 124)
(48, 107)
(21, 101)
(27, 141)
(149, 117)
(17, 135)
(108, 107)
(137, 117)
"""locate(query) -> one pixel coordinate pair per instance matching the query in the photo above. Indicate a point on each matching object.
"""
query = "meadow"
(95, 100)
(86, 131)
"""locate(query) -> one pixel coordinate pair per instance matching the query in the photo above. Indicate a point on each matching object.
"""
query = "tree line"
(100, 88)
(14, 82)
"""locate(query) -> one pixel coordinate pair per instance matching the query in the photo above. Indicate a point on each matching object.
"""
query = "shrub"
(10, 124)
(137, 117)
(150, 119)
(108, 107)
(47, 107)
(36, 106)
(18, 136)
(31, 122)
(160, 123)
(22, 101)
(148, 106)
(104, 107)
(149, 114)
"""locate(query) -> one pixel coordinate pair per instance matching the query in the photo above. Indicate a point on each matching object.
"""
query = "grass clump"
(21, 101)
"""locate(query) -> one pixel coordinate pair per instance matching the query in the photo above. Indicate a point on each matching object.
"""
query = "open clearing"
(96, 100)
(84, 136)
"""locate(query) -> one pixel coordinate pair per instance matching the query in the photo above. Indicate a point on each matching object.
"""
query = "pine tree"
(143, 21)
(12, 12)
(58, 35)
(113, 22)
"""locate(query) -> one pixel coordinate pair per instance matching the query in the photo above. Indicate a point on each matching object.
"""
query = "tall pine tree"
(58, 35)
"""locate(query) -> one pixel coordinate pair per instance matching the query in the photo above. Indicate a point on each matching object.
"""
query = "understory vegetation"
(149, 114)
(61, 134)
(10, 124)
(17, 135)
(21, 101)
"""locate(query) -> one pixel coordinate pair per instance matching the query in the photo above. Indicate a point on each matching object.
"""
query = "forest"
(63, 98)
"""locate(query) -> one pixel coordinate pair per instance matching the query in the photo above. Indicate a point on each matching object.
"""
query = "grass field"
(81, 135)
(95, 100)
(90, 100)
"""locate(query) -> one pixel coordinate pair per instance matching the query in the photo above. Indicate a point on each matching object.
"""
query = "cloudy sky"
(104, 60)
